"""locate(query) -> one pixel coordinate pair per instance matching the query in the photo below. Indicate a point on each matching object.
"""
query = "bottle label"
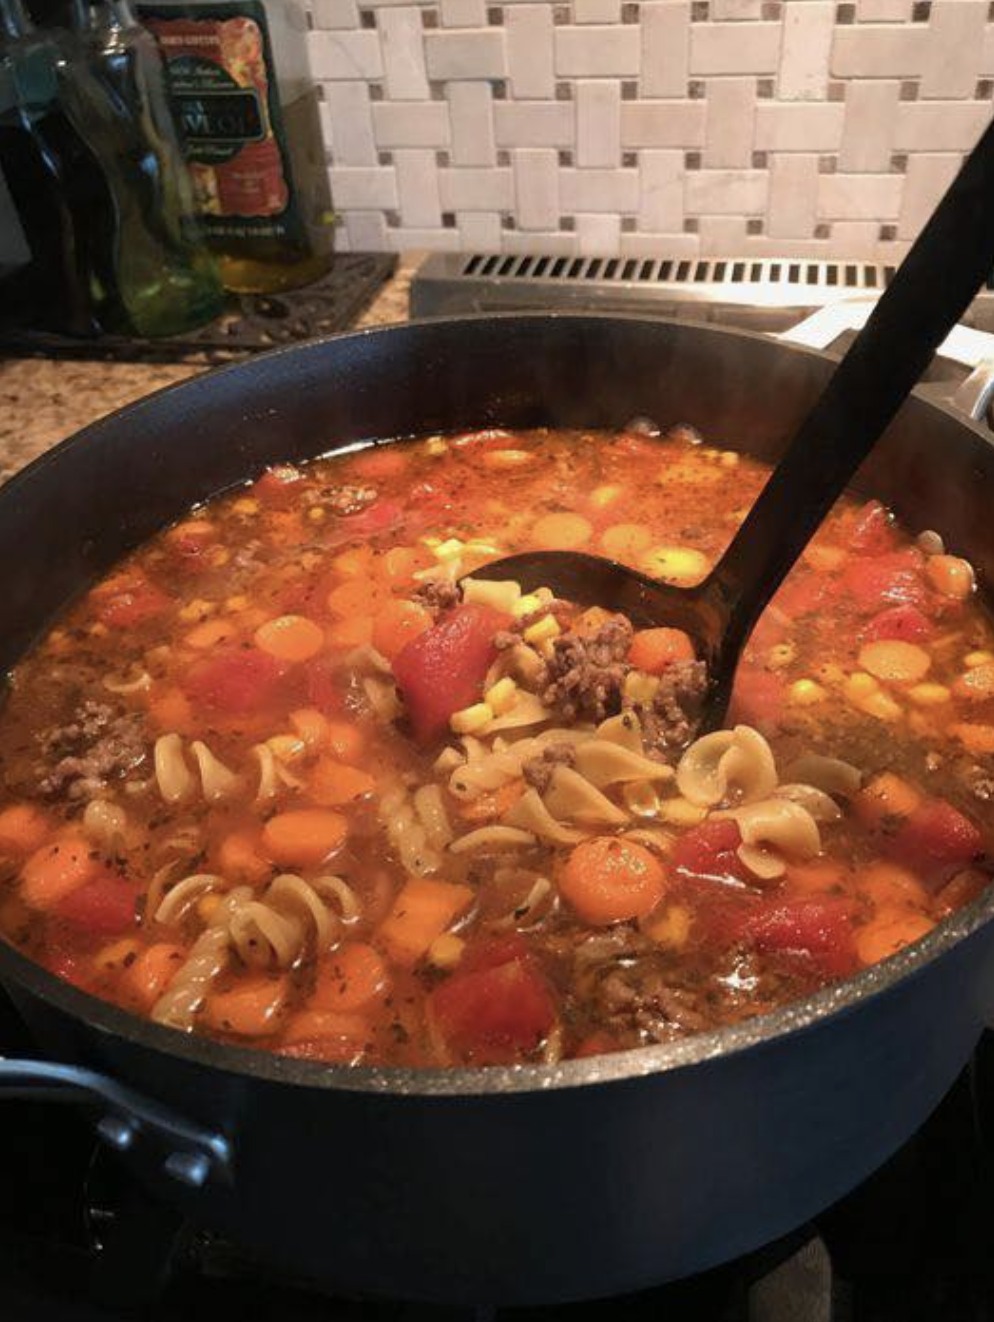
(222, 87)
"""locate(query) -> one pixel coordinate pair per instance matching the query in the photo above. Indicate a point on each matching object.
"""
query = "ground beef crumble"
(585, 675)
(98, 746)
(438, 595)
(538, 771)
(670, 722)
(347, 499)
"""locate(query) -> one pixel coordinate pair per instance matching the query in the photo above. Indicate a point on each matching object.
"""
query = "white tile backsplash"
(666, 127)
(805, 51)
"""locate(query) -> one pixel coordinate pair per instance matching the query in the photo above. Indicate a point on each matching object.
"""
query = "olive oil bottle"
(247, 115)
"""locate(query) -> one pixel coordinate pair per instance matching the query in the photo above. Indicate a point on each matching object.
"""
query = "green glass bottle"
(182, 289)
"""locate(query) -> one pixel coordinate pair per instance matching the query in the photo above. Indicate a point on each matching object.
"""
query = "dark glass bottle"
(247, 111)
(108, 251)
(56, 185)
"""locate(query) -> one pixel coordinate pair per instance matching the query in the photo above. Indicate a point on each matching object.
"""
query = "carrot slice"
(890, 886)
(151, 972)
(561, 531)
(311, 725)
(290, 638)
(354, 976)
(356, 631)
(396, 624)
(250, 1009)
(888, 932)
(23, 828)
(885, 797)
(652, 650)
(356, 596)
(608, 880)
(345, 741)
(332, 783)
(303, 837)
(421, 912)
(57, 869)
(240, 857)
(625, 541)
(326, 1035)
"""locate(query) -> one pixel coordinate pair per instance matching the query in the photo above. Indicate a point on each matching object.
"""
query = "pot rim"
(845, 997)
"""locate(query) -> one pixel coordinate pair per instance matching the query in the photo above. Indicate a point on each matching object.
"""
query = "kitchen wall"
(799, 127)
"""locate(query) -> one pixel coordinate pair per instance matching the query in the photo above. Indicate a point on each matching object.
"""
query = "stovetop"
(80, 1242)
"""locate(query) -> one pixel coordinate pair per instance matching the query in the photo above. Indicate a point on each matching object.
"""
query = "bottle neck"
(14, 21)
(93, 15)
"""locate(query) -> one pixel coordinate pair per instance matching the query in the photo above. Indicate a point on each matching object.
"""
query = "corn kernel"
(881, 706)
(238, 603)
(672, 929)
(640, 687)
(604, 495)
(449, 549)
(207, 906)
(245, 505)
(730, 459)
(98, 630)
(525, 605)
(436, 445)
(676, 564)
(197, 609)
(806, 693)
(445, 951)
(681, 812)
(780, 655)
(471, 719)
(974, 659)
(477, 547)
(502, 697)
(502, 596)
(544, 629)
(929, 695)
(316, 514)
(219, 555)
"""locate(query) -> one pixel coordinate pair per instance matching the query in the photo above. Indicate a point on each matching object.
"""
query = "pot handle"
(188, 1153)
(971, 348)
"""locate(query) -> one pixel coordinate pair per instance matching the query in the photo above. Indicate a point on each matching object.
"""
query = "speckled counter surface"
(44, 400)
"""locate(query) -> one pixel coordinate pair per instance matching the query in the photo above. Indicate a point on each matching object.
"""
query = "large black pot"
(499, 1185)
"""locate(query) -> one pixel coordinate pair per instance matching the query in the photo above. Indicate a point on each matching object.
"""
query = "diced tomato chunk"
(496, 1014)
(126, 602)
(326, 685)
(442, 670)
(873, 533)
(757, 698)
(376, 518)
(236, 680)
(103, 906)
(819, 927)
(904, 624)
(877, 581)
(70, 966)
(707, 852)
(935, 840)
(276, 486)
(803, 593)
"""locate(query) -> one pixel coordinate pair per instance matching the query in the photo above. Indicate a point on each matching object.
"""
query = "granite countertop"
(44, 400)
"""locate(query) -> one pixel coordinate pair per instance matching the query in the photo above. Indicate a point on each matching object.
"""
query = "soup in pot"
(296, 775)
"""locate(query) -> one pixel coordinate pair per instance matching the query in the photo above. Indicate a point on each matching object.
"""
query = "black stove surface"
(79, 1242)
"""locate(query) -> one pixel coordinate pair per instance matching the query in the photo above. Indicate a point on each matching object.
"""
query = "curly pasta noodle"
(727, 764)
(177, 901)
(175, 779)
(292, 916)
(208, 956)
(409, 832)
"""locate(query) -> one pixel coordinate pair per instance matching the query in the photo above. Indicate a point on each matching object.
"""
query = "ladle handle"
(931, 289)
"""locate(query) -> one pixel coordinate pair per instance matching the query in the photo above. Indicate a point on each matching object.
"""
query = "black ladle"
(952, 257)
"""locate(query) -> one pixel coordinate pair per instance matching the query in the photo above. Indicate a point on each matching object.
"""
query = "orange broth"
(235, 799)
